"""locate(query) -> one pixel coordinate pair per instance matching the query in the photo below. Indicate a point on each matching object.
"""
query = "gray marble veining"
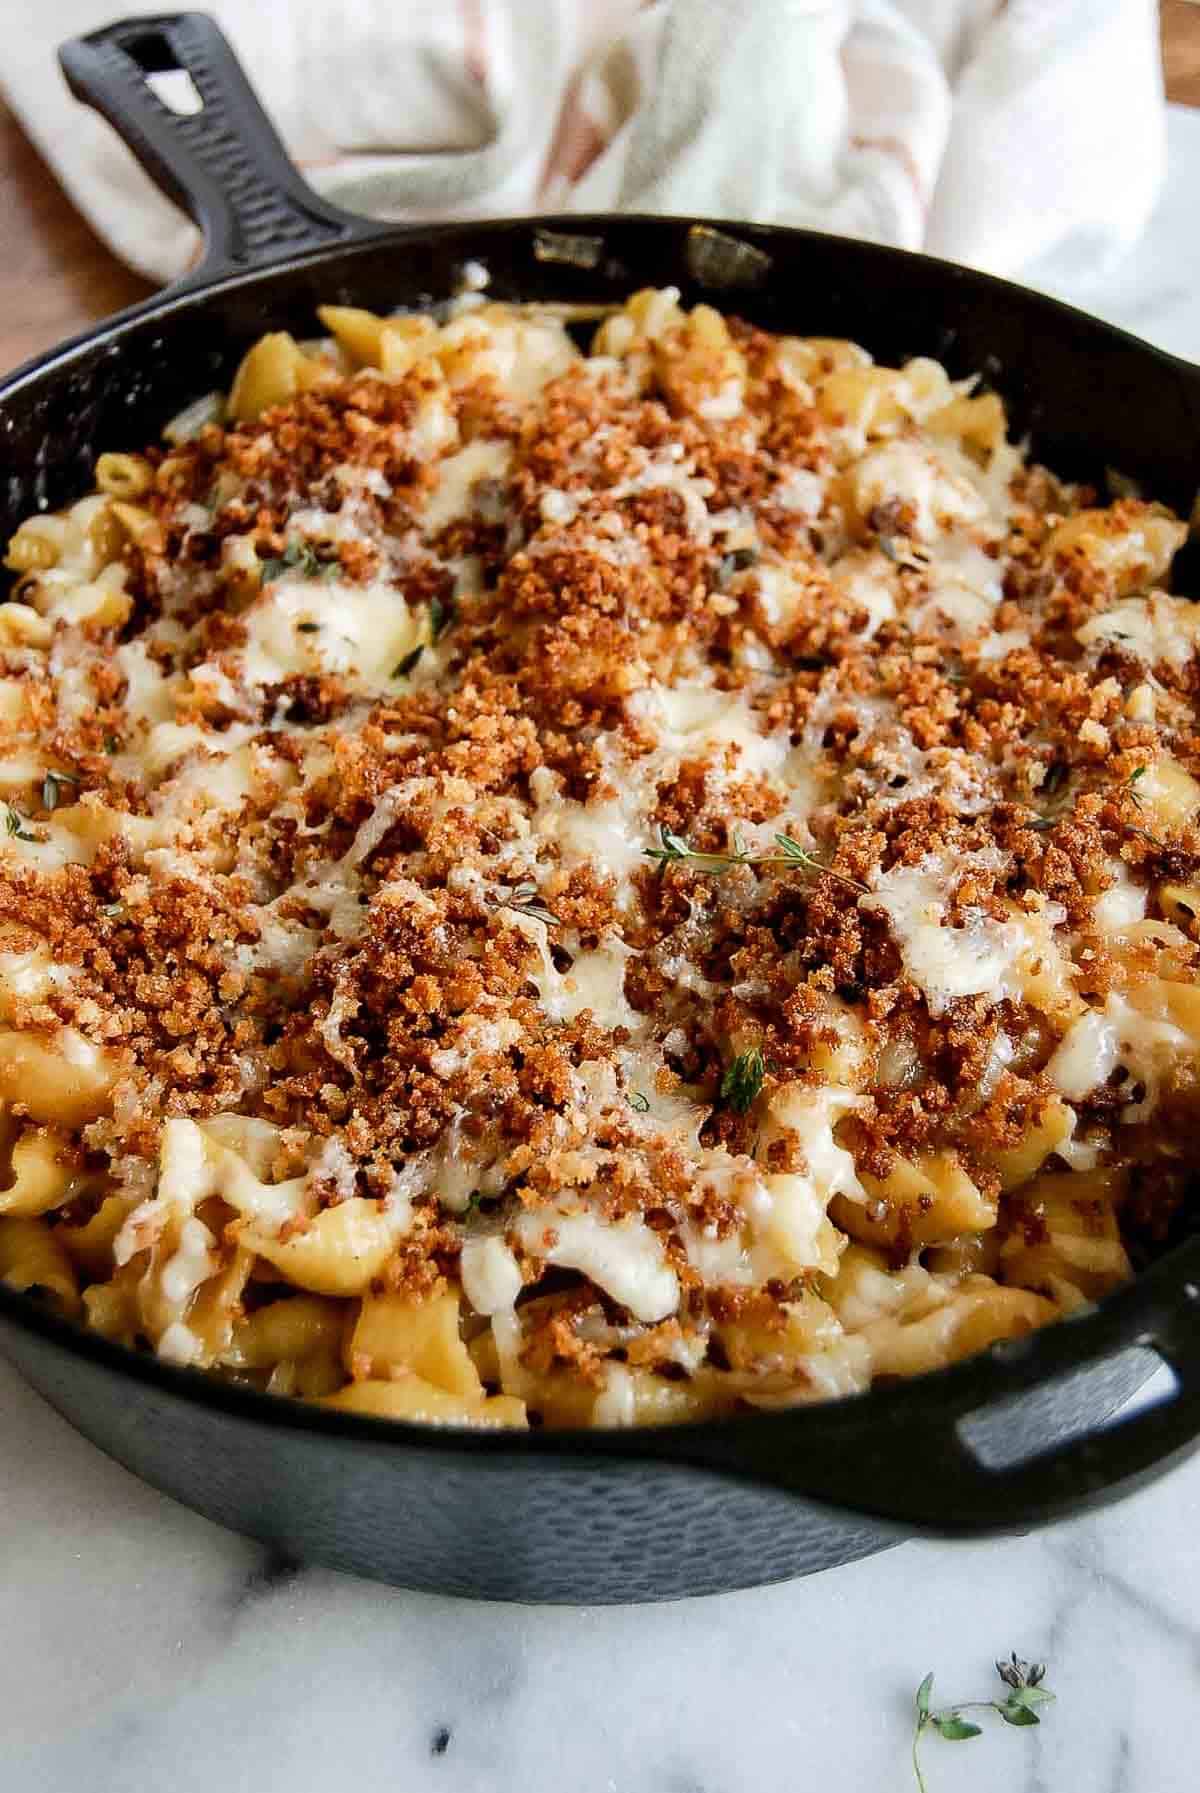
(146, 1649)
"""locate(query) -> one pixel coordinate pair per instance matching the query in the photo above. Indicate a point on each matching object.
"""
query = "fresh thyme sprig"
(792, 853)
(403, 667)
(1018, 1707)
(13, 820)
(675, 849)
(1131, 784)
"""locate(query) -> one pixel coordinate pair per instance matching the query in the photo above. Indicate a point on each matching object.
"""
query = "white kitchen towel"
(1026, 136)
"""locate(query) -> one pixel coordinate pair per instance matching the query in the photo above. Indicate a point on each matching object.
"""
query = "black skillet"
(1017, 1436)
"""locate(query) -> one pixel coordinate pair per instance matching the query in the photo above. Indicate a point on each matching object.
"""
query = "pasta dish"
(591, 888)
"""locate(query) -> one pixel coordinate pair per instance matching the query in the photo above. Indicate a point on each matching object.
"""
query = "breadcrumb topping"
(658, 838)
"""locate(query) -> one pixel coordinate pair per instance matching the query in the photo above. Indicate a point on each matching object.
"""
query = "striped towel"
(1022, 137)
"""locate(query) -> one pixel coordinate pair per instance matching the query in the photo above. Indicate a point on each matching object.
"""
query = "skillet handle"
(946, 1454)
(222, 162)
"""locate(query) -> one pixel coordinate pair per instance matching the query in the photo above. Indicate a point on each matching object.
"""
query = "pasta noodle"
(590, 889)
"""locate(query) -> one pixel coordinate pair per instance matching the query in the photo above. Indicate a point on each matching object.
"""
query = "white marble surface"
(145, 1649)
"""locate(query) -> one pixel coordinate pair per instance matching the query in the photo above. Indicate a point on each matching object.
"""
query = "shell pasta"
(591, 887)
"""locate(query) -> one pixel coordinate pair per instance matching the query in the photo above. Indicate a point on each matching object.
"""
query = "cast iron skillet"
(1011, 1438)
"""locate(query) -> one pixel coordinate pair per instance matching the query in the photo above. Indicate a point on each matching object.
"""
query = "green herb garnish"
(637, 1101)
(308, 628)
(52, 785)
(674, 849)
(403, 667)
(1018, 1707)
(792, 853)
(743, 1079)
(12, 823)
(300, 558)
(441, 615)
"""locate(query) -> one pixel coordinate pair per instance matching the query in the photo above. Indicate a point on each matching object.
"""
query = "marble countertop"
(144, 1648)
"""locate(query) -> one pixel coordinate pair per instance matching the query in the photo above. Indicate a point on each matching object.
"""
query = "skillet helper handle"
(222, 161)
(953, 1454)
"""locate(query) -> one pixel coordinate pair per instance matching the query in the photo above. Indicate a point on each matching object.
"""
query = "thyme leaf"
(12, 823)
(441, 615)
(403, 667)
(743, 1080)
(637, 1101)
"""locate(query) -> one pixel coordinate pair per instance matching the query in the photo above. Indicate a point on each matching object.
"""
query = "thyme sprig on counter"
(675, 849)
(1018, 1707)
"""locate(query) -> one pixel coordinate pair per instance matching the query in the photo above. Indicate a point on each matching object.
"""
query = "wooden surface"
(56, 276)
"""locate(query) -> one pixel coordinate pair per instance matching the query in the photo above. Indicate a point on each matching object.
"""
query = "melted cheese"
(458, 474)
(491, 1276)
(1151, 629)
(322, 627)
(1146, 1046)
(1122, 904)
(911, 474)
(624, 1258)
(611, 835)
(974, 959)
